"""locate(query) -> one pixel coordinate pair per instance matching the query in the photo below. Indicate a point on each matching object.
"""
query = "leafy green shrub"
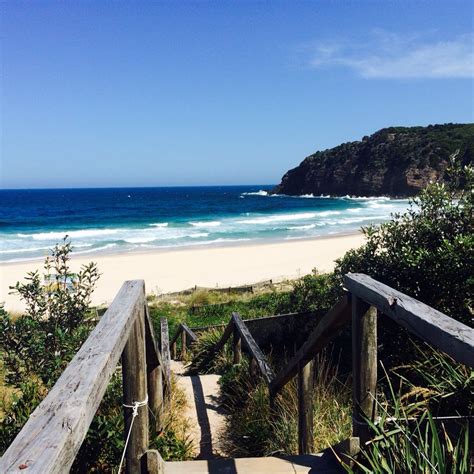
(37, 346)
(42, 341)
(31, 394)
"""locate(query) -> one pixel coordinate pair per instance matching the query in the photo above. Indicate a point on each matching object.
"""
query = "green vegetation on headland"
(427, 253)
(395, 161)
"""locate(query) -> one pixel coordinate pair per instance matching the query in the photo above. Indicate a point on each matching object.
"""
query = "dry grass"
(254, 431)
(173, 442)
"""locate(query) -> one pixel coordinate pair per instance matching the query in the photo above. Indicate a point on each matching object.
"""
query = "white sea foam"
(199, 235)
(159, 224)
(366, 198)
(256, 193)
(139, 240)
(206, 223)
(97, 249)
(83, 233)
(302, 227)
(32, 249)
(279, 218)
(378, 205)
(328, 213)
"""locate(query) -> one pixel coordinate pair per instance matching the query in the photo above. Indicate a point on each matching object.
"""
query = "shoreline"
(174, 269)
(190, 247)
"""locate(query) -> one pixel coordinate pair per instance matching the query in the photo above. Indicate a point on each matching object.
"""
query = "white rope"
(134, 407)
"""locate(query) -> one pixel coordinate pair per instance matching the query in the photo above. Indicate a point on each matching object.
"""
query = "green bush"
(44, 339)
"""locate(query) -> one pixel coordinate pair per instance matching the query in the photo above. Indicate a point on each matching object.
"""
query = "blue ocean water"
(128, 219)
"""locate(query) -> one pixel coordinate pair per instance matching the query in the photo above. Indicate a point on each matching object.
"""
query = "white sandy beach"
(165, 271)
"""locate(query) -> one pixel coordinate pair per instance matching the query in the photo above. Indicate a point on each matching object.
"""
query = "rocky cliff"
(395, 161)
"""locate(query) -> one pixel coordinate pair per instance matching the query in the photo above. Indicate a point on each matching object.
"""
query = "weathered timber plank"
(154, 375)
(190, 335)
(52, 436)
(326, 330)
(152, 462)
(253, 348)
(153, 356)
(220, 344)
(183, 344)
(166, 358)
(430, 325)
(134, 381)
(305, 408)
(364, 366)
(237, 346)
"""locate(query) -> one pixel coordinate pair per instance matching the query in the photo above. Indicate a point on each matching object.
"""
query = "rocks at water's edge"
(395, 161)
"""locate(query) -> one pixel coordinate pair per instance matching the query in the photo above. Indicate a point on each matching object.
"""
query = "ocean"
(115, 220)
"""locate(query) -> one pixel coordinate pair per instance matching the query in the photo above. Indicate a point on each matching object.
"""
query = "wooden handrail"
(189, 333)
(52, 436)
(153, 353)
(325, 331)
(252, 347)
(187, 337)
(441, 331)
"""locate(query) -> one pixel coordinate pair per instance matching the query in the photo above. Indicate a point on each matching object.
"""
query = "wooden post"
(135, 390)
(305, 408)
(165, 359)
(173, 351)
(154, 376)
(152, 462)
(183, 344)
(237, 347)
(364, 366)
(155, 397)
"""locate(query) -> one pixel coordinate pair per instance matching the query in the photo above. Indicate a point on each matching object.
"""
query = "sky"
(210, 93)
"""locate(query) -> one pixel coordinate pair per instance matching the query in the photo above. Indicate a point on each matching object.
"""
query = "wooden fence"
(51, 438)
(365, 300)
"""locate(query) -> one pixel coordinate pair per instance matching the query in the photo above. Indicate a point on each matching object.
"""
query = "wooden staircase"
(207, 422)
(303, 464)
(52, 436)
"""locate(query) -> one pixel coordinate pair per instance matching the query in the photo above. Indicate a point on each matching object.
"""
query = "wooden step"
(311, 463)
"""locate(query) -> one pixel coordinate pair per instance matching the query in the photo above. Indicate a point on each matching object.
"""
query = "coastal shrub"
(428, 252)
(43, 340)
(407, 438)
(200, 349)
(449, 385)
(254, 430)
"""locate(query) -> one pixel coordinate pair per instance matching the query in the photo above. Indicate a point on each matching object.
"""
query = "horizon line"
(137, 187)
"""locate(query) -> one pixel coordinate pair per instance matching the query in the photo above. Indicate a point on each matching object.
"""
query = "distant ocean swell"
(157, 218)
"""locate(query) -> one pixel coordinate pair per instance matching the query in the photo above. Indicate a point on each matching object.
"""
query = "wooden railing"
(365, 299)
(187, 338)
(52, 436)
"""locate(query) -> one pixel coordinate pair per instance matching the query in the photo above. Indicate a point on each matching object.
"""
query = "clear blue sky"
(189, 93)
